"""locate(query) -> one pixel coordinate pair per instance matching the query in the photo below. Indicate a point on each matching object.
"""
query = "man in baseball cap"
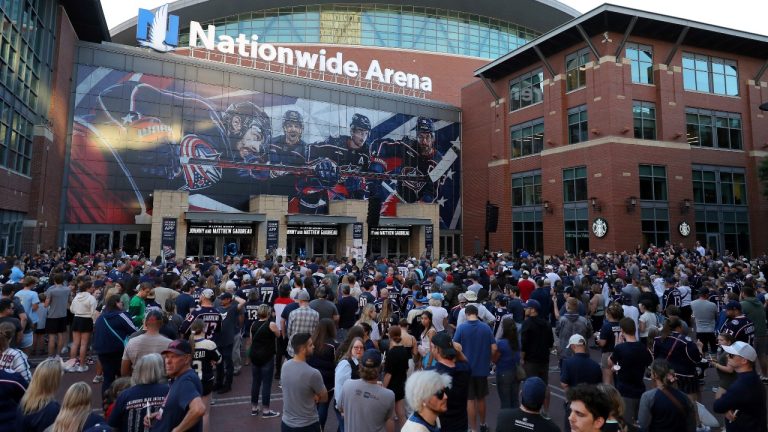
(737, 324)
(183, 407)
(536, 340)
(367, 406)
(744, 404)
(527, 417)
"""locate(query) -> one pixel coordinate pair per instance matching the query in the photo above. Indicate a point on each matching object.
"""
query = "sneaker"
(98, 378)
(254, 411)
(484, 428)
(270, 414)
(71, 365)
(764, 380)
(90, 361)
(82, 368)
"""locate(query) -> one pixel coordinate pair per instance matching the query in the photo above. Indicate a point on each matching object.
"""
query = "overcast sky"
(745, 15)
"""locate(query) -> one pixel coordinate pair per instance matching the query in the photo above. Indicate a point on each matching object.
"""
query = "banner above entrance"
(390, 232)
(219, 229)
(313, 230)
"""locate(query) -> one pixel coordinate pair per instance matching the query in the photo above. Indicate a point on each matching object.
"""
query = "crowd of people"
(406, 344)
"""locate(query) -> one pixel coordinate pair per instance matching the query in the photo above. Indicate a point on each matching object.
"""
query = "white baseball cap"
(741, 349)
(577, 339)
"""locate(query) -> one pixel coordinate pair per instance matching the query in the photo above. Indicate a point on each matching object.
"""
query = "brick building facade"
(646, 124)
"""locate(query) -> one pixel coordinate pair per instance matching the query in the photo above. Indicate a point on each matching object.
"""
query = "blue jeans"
(311, 428)
(339, 419)
(261, 378)
(225, 368)
(509, 388)
(322, 409)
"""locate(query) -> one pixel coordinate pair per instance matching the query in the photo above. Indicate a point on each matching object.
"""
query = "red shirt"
(526, 287)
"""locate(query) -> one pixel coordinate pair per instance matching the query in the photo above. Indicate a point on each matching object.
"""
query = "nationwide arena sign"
(160, 31)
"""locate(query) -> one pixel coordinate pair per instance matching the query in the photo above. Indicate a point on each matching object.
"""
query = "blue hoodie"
(107, 341)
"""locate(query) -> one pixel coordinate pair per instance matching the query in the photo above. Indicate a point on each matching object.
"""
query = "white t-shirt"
(438, 315)
(649, 319)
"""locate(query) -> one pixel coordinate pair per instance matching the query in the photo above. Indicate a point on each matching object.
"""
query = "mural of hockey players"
(335, 161)
(289, 148)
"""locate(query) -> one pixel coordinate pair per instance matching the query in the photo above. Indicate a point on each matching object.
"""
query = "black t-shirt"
(204, 358)
(456, 419)
(609, 333)
(516, 420)
(632, 358)
(364, 300)
(347, 311)
(267, 294)
(184, 304)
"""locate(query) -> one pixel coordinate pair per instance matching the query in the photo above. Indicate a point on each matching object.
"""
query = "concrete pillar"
(357, 209)
(429, 211)
(169, 204)
(274, 207)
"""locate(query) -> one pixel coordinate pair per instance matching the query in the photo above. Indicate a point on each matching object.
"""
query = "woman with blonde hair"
(75, 413)
(368, 316)
(38, 408)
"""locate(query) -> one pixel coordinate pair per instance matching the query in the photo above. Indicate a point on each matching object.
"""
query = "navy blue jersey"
(267, 294)
(741, 328)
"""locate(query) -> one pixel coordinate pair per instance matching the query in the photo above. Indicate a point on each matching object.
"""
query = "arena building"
(619, 130)
(204, 128)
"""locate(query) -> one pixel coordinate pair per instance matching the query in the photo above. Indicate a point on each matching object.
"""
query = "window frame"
(637, 115)
(531, 86)
(577, 69)
(700, 67)
(583, 124)
(528, 130)
(712, 120)
(636, 67)
(573, 178)
(655, 180)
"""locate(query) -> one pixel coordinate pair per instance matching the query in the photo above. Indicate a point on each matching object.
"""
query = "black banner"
(219, 229)
(390, 232)
(357, 231)
(168, 238)
(313, 230)
(429, 231)
(273, 228)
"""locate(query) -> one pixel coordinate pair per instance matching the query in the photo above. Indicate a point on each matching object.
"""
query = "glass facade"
(527, 224)
(644, 117)
(642, 62)
(575, 67)
(26, 52)
(710, 75)
(705, 128)
(722, 219)
(527, 138)
(380, 25)
(526, 90)
(655, 225)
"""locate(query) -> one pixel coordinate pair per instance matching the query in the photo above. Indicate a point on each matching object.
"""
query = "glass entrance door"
(129, 241)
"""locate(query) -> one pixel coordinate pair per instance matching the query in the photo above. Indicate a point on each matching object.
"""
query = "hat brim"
(174, 351)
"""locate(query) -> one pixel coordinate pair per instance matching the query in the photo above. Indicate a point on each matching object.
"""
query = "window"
(642, 63)
(527, 138)
(644, 116)
(575, 69)
(655, 225)
(733, 188)
(527, 89)
(576, 228)
(704, 187)
(526, 188)
(724, 226)
(716, 129)
(719, 185)
(577, 125)
(653, 183)
(575, 184)
(527, 229)
(710, 75)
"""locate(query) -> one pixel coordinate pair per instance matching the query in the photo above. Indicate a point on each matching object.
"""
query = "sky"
(745, 15)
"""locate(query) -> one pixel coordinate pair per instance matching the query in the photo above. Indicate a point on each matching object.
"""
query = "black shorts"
(540, 370)
(82, 325)
(688, 385)
(207, 387)
(56, 325)
(478, 388)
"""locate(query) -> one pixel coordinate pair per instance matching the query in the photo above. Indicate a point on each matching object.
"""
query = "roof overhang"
(87, 18)
(611, 18)
(222, 217)
(403, 221)
(320, 219)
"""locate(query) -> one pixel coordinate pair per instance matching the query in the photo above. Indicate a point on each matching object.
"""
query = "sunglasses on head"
(441, 393)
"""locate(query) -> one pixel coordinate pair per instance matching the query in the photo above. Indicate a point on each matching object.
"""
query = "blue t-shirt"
(476, 340)
(182, 392)
(131, 406)
(38, 420)
(632, 358)
(27, 299)
(580, 369)
(508, 359)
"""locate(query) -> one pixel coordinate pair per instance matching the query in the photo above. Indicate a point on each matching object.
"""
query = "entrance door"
(713, 242)
(102, 241)
(297, 247)
(129, 241)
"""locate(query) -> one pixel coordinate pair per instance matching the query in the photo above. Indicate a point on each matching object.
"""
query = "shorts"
(82, 325)
(56, 325)
(540, 370)
(478, 388)
(26, 341)
(604, 359)
(207, 387)
(39, 330)
(761, 345)
(688, 385)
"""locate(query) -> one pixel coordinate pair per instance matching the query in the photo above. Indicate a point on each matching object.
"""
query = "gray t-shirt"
(366, 406)
(59, 295)
(705, 315)
(144, 344)
(301, 382)
(325, 308)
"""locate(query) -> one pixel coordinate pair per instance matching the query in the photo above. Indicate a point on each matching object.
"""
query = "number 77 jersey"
(211, 321)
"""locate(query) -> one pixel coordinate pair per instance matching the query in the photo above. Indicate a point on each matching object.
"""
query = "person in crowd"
(507, 362)
(629, 360)
(30, 302)
(578, 369)
(138, 306)
(229, 308)
(183, 406)
(704, 314)
(38, 408)
(647, 322)
(57, 302)
(149, 342)
(536, 341)
(301, 320)
(428, 331)
(145, 395)
(528, 416)
(396, 372)
(615, 421)
(755, 311)
(347, 366)
(12, 388)
(570, 324)
(110, 335)
(609, 336)
(303, 387)
(205, 357)
(725, 373)
(324, 360)
(365, 404)
(479, 346)
(426, 394)
(450, 360)
(75, 414)
(665, 408)
(13, 359)
(590, 408)
(368, 316)
(744, 403)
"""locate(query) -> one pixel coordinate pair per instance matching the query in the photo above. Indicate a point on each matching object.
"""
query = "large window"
(653, 183)
(526, 188)
(527, 138)
(576, 228)
(575, 184)
(719, 185)
(642, 62)
(716, 129)
(577, 124)
(575, 69)
(644, 116)
(655, 225)
(710, 74)
(723, 228)
(527, 89)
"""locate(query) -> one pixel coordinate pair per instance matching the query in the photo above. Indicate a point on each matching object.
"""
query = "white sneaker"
(82, 368)
(97, 379)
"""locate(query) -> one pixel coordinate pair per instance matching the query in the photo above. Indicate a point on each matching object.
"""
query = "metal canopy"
(398, 221)
(221, 217)
(319, 219)
(617, 19)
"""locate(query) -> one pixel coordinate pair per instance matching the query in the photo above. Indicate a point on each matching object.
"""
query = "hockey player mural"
(136, 133)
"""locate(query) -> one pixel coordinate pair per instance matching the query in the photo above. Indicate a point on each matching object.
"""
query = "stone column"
(169, 204)
(417, 244)
(350, 208)
(274, 207)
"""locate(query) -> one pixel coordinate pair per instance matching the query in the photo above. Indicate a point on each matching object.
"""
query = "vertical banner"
(429, 231)
(168, 239)
(273, 228)
(357, 234)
